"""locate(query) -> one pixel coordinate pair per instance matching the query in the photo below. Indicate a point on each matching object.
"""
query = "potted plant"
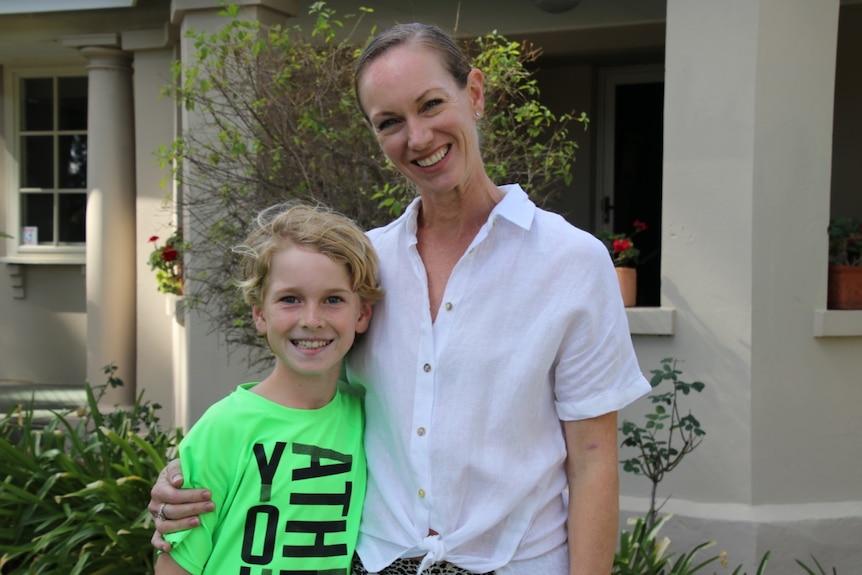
(624, 254)
(845, 264)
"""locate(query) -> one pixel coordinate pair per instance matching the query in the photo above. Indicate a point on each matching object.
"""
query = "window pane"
(73, 162)
(38, 210)
(37, 162)
(72, 109)
(73, 221)
(37, 109)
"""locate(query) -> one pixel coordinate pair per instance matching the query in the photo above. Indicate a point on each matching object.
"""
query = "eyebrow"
(293, 289)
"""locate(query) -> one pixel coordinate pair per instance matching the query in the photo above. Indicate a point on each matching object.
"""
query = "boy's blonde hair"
(315, 227)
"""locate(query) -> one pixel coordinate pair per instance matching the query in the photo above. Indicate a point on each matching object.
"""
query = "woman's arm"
(593, 471)
(165, 565)
(182, 506)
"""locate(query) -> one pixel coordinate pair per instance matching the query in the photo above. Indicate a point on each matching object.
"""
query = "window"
(50, 149)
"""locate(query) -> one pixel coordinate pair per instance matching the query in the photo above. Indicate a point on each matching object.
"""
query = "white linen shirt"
(463, 432)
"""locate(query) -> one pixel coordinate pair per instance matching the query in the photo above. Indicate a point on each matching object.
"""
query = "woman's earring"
(478, 114)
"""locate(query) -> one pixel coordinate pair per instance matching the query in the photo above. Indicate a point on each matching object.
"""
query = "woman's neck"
(447, 226)
(458, 213)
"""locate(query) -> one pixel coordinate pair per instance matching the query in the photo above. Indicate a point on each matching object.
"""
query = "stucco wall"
(748, 136)
(707, 238)
(799, 454)
(43, 337)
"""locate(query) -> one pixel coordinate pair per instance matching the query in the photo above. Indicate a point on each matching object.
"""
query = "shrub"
(667, 436)
(75, 488)
(642, 553)
(275, 119)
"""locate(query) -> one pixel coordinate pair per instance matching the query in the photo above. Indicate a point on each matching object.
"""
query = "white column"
(748, 123)
(110, 216)
(161, 347)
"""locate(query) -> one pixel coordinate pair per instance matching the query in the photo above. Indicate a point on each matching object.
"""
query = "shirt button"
(422, 493)
(420, 432)
(449, 306)
(427, 367)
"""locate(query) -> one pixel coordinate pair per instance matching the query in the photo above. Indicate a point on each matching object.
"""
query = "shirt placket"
(432, 341)
(423, 404)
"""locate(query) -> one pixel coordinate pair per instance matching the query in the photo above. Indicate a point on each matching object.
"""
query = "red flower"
(639, 226)
(170, 253)
(153, 239)
(622, 245)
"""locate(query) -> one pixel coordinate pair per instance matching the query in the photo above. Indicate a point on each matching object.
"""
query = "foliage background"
(275, 119)
(75, 488)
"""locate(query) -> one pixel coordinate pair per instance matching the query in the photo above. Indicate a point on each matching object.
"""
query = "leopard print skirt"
(409, 567)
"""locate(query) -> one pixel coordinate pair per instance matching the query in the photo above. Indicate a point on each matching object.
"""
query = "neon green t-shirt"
(288, 485)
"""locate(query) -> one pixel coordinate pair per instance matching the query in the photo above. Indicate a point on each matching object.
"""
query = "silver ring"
(161, 513)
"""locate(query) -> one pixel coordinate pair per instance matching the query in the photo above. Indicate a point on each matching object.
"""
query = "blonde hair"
(317, 227)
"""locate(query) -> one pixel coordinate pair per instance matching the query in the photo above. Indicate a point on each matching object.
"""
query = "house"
(736, 124)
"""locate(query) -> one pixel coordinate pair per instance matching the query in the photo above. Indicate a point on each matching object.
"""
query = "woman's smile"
(434, 158)
(423, 120)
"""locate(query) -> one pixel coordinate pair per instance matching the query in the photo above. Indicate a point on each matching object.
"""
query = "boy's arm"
(182, 505)
(165, 565)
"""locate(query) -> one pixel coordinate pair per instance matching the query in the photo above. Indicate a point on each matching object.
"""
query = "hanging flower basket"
(167, 261)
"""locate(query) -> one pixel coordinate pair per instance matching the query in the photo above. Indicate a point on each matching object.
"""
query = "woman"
(497, 361)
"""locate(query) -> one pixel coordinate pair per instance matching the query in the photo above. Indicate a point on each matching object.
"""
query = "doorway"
(629, 168)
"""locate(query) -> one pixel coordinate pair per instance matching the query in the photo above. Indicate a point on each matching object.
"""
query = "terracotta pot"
(844, 287)
(628, 278)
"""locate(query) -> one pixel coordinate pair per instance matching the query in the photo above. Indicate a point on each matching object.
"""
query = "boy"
(284, 457)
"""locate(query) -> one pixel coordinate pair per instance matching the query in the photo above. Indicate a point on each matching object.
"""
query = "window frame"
(15, 251)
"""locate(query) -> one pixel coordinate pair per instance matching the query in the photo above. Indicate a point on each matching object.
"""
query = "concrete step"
(44, 397)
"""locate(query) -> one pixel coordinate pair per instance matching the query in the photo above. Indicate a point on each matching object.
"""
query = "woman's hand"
(173, 508)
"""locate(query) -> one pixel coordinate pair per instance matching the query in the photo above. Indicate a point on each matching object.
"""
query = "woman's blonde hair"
(315, 227)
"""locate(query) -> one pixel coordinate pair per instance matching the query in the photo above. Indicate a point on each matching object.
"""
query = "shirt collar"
(515, 207)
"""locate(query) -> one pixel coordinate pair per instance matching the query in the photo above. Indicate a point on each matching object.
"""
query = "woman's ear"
(476, 90)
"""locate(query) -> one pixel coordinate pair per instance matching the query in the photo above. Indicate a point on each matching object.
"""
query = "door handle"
(607, 206)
